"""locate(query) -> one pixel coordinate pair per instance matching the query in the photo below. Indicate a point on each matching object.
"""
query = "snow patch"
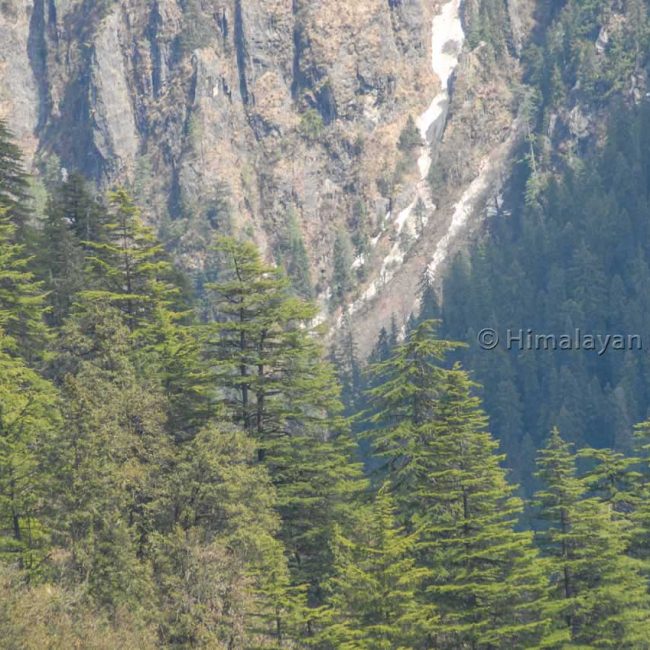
(447, 37)
(462, 211)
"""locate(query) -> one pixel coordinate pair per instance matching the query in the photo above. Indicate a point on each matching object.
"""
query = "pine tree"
(14, 186)
(638, 476)
(346, 361)
(372, 595)
(128, 265)
(28, 406)
(61, 264)
(342, 276)
(597, 590)
(410, 137)
(128, 268)
(219, 551)
(281, 391)
(407, 387)
(21, 296)
(28, 421)
(296, 259)
(85, 215)
(110, 461)
(485, 579)
(74, 220)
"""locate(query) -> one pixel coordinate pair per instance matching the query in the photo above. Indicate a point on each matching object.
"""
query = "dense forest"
(567, 246)
(180, 470)
(186, 463)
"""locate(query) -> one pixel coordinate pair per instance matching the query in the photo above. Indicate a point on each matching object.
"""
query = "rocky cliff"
(280, 119)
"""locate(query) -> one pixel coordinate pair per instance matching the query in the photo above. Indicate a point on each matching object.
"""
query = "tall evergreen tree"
(29, 420)
(73, 222)
(282, 392)
(485, 578)
(372, 595)
(221, 570)
(407, 387)
(14, 186)
(342, 276)
(21, 296)
(597, 590)
(111, 458)
(127, 265)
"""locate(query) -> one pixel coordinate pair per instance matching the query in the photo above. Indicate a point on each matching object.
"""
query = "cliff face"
(278, 118)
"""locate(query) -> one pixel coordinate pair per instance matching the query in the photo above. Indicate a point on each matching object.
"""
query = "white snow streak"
(447, 38)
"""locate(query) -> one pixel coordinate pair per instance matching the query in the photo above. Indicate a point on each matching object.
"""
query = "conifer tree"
(127, 267)
(219, 551)
(598, 591)
(14, 186)
(28, 422)
(111, 458)
(372, 595)
(21, 296)
(60, 263)
(282, 392)
(348, 366)
(485, 579)
(342, 276)
(401, 402)
(128, 264)
(74, 220)
(28, 406)
(638, 477)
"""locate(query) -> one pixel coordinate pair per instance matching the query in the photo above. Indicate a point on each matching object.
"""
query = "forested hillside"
(195, 451)
(565, 247)
(569, 249)
(176, 470)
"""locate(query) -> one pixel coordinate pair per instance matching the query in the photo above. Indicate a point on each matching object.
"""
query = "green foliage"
(281, 391)
(371, 599)
(485, 581)
(34, 617)
(410, 137)
(293, 253)
(21, 296)
(14, 183)
(407, 387)
(598, 590)
(72, 218)
(488, 22)
(129, 265)
(221, 552)
(311, 124)
(574, 257)
(28, 419)
(167, 484)
(342, 276)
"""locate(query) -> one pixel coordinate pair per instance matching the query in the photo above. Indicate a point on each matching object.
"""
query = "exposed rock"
(19, 100)
(113, 123)
(233, 114)
(578, 123)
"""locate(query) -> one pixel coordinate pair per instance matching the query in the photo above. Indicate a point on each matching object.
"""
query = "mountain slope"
(281, 120)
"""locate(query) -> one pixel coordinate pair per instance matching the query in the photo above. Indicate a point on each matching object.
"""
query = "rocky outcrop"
(258, 116)
(19, 98)
(259, 108)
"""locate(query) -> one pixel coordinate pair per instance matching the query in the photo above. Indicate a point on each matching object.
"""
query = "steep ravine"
(471, 89)
(447, 37)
